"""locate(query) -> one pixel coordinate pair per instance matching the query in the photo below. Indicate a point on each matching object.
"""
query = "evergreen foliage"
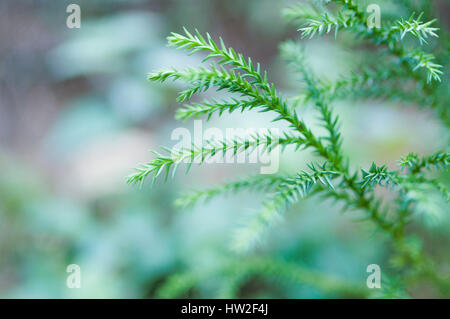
(416, 62)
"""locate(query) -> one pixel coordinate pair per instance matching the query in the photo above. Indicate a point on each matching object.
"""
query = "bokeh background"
(77, 115)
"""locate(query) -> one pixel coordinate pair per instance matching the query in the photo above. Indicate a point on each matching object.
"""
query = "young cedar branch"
(355, 20)
(210, 148)
(353, 189)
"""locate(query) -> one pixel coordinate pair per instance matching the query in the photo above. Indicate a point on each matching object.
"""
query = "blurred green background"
(77, 114)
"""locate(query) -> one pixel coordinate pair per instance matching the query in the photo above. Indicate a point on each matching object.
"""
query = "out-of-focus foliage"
(76, 113)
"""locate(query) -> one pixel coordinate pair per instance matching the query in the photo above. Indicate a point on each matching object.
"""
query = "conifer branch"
(289, 191)
(292, 53)
(416, 28)
(250, 183)
(231, 72)
(391, 36)
(200, 153)
(250, 83)
(414, 163)
(325, 23)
